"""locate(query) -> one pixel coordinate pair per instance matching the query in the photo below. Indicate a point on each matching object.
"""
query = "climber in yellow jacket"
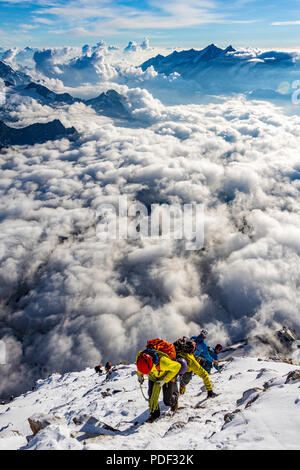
(185, 348)
(194, 367)
(161, 372)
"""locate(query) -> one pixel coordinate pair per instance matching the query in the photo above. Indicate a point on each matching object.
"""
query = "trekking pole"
(143, 393)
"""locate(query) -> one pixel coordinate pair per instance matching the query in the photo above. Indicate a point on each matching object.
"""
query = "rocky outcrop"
(249, 396)
(228, 417)
(39, 422)
(293, 376)
(34, 134)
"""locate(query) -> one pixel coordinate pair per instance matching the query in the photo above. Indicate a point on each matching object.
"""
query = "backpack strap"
(153, 354)
(162, 354)
(158, 355)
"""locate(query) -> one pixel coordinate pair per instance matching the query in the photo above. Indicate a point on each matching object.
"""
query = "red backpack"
(163, 346)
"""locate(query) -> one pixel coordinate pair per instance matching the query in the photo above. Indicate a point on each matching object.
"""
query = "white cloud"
(2, 92)
(285, 23)
(103, 17)
(73, 299)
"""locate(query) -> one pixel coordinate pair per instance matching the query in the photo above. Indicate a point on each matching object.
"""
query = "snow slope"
(261, 410)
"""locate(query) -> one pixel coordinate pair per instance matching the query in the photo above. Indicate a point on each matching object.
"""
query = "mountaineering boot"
(174, 407)
(182, 389)
(211, 394)
(155, 415)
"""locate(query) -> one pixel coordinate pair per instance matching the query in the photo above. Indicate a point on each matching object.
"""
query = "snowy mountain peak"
(110, 104)
(211, 47)
(178, 61)
(210, 52)
(11, 76)
(229, 49)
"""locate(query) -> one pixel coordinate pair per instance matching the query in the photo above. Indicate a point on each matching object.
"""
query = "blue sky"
(169, 23)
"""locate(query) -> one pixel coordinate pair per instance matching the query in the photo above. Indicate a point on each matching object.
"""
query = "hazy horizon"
(168, 24)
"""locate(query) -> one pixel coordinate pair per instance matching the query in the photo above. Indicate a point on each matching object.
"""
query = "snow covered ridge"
(258, 408)
(263, 75)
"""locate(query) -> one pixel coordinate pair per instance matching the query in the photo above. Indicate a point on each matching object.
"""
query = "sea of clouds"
(70, 299)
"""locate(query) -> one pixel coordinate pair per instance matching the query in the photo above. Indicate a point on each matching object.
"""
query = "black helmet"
(186, 345)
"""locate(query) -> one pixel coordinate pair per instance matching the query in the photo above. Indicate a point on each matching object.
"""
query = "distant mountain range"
(213, 71)
(219, 70)
(34, 134)
(189, 63)
(109, 103)
(185, 62)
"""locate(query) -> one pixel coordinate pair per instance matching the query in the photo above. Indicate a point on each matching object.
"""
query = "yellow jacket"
(166, 369)
(194, 366)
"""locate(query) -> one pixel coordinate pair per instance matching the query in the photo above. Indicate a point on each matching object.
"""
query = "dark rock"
(249, 403)
(34, 134)
(39, 422)
(286, 336)
(175, 427)
(247, 394)
(229, 416)
(293, 376)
